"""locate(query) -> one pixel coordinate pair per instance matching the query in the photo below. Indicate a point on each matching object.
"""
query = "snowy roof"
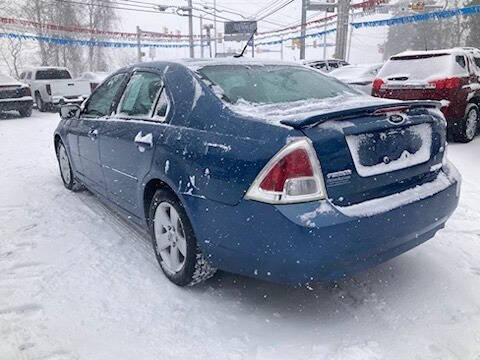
(46, 68)
(320, 60)
(197, 63)
(6, 80)
(453, 51)
(194, 64)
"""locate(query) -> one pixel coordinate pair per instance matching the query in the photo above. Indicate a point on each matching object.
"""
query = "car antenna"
(246, 45)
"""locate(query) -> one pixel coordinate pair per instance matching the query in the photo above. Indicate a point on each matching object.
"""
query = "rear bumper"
(61, 100)
(317, 241)
(16, 103)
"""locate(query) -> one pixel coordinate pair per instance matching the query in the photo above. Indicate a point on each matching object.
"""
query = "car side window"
(460, 59)
(141, 94)
(163, 105)
(477, 63)
(29, 75)
(333, 65)
(100, 102)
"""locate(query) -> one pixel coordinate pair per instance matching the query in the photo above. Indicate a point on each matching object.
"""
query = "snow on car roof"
(8, 80)
(453, 51)
(198, 63)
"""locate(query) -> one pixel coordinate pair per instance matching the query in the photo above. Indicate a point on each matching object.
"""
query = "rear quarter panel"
(208, 151)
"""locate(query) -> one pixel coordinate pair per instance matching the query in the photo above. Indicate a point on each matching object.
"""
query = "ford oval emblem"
(396, 119)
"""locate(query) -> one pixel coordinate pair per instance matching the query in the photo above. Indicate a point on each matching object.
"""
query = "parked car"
(451, 76)
(15, 95)
(326, 65)
(94, 78)
(53, 86)
(273, 171)
(359, 76)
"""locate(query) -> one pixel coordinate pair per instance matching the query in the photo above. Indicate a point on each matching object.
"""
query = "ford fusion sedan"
(269, 170)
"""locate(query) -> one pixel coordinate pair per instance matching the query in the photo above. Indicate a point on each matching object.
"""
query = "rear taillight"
(377, 84)
(293, 175)
(27, 91)
(450, 83)
(49, 89)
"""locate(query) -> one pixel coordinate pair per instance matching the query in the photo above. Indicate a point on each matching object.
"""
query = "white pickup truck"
(54, 86)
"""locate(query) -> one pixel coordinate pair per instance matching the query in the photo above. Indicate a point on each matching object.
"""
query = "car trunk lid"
(376, 150)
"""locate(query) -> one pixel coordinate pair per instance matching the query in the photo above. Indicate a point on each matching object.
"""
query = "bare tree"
(100, 17)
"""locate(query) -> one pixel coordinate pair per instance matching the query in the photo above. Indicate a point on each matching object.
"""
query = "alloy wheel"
(64, 164)
(170, 240)
(471, 125)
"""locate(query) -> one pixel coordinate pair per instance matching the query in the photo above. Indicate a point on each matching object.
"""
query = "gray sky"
(364, 48)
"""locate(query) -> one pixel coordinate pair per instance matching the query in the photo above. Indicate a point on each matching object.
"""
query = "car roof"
(323, 60)
(453, 51)
(195, 64)
(8, 80)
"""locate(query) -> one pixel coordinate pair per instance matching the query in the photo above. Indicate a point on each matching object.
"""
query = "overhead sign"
(240, 27)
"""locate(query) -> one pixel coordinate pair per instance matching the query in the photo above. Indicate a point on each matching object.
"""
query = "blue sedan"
(269, 170)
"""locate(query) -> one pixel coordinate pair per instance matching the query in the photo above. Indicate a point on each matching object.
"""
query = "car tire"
(467, 128)
(174, 241)
(40, 104)
(25, 112)
(66, 172)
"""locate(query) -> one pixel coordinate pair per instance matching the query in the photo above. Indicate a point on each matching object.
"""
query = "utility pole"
(281, 50)
(190, 27)
(253, 46)
(342, 29)
(201, 36)
(139, 47)
(208, 28)
(350, 41)
(325, 38)
(215, 25)
(303, 30)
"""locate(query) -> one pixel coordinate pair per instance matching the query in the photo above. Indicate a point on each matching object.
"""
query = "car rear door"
(127, 140)
(87, 129)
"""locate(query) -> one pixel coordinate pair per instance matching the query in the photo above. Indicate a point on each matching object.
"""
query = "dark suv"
(451, 76)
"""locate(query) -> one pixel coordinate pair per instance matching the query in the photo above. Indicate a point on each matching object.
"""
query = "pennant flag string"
(430, 16)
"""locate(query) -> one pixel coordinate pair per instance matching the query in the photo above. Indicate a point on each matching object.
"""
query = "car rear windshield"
(270, 84)
(52, 74)
(423, 67)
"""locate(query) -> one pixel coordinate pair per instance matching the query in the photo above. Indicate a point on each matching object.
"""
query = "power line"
(277, 9)
(118, 6)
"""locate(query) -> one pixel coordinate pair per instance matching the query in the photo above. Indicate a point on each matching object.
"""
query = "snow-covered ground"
(76, 282)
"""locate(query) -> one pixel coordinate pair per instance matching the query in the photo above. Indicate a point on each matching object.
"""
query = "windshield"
(424, 67)
(52, 74)
(271, 84)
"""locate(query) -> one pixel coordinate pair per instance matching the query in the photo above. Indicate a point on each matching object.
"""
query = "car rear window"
(52, 74)
(270, 84)
(422, 67)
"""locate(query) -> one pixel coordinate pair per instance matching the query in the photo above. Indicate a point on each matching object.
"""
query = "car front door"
(128, 139)
(88, 128)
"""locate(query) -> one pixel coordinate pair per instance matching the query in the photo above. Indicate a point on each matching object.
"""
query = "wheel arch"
(57, 139)
(475, 100)
(149, 190)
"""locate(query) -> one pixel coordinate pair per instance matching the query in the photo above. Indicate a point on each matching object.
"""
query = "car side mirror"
(68, 112)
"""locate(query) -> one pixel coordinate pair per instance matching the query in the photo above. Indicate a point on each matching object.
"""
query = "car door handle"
(92, 134)
(144, 140)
